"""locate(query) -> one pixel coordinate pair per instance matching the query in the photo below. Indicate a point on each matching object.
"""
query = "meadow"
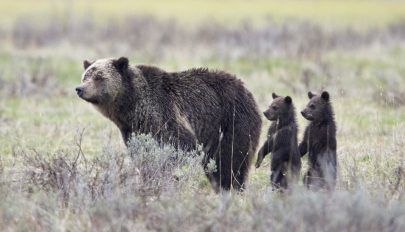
(64, 167)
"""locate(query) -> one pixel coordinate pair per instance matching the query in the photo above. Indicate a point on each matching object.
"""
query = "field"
(63, 166)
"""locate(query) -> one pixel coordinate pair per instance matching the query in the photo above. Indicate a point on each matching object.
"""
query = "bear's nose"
(303, 113)
(79, 91)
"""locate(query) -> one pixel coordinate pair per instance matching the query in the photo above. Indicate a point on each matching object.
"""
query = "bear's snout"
(307, 115)
(266, 114)
(79, 91)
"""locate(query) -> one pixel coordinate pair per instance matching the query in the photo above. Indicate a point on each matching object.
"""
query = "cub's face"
(316, 107)
(101, 80)
(278, 108)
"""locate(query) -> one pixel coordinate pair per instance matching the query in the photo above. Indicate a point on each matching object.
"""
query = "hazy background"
(63, 164)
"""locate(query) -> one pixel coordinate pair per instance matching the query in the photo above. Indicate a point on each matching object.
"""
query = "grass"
(49, 124)
(331, 12)
(63, 166)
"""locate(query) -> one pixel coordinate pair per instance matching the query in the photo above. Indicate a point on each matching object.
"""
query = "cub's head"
(102, 80)
(280, 108)
(317, 107)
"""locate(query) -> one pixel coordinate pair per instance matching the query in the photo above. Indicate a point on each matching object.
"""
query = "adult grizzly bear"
(281, 142)
(319, 142)
(187, 108)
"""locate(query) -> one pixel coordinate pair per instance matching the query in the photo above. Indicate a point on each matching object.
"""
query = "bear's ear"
(310, 95)
(86, 64)
(288, 100)
(325, 96)
(121, 64)
(274, 95)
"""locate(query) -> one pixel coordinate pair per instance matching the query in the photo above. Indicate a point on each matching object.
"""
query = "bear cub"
(281, 142)
(319, 142)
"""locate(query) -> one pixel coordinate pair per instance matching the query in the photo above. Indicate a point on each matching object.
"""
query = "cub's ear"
(86, 64)
(121, 64)
(325, 95)
(310, 95)
(274, 95)
(288, 100)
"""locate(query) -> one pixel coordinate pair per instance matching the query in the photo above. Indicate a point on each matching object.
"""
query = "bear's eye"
(312, 106)
(274, 107)
(98, 77)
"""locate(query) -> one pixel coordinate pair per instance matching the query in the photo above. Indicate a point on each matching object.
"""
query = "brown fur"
(196, 106)
(281, 142)
(320, 142)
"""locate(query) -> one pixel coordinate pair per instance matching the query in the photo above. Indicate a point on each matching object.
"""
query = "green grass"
(51, 124)
(330, 12)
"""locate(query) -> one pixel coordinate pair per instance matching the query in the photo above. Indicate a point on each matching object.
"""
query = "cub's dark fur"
(320, 142)
(197, 106)
(281, 142)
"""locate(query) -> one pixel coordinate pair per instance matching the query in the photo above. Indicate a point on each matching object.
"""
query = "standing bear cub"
(187, 108)
(319, 142)
(281, 142)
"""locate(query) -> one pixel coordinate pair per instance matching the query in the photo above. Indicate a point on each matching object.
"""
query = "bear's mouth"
(271, 117)
(90, 100)
(307, 116)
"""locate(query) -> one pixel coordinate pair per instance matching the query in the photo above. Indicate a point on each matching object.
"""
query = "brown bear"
(281, 142)
(197, 106)
(319, 142)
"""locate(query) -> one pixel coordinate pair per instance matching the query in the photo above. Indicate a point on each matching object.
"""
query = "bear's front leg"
(264, 150)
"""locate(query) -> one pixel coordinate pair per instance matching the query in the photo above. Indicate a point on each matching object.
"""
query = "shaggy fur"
(320, 142)
(281, 142)
(187, 108)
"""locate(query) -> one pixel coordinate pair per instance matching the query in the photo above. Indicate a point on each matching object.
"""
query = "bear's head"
(317, 107)
(102, 80)
(280, 108)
